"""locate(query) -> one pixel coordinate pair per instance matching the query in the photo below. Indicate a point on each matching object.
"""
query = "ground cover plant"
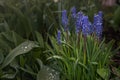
(81, 54)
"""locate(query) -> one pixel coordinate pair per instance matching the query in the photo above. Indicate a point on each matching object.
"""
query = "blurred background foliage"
(27, 16)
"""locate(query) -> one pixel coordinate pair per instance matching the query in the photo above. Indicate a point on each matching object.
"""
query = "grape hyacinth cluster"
(79, 22)
(86, 26)
(82, 23)
(98, 24)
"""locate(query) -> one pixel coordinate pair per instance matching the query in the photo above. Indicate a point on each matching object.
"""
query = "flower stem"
(84, 50)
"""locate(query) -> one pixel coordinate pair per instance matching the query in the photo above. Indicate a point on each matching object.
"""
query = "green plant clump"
(80, 54)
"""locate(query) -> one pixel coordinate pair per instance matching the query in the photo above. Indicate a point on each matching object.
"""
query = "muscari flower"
(79, 22)
(86, 26)
(65, 20)
(59, 37)
(100, 13)
(73, 12)
(98, 25)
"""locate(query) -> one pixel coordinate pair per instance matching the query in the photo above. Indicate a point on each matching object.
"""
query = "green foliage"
(21, 49)
(19, 19)
(27, 16)
(117, 16)
(10, 59)
(80, 59)
(22, 58)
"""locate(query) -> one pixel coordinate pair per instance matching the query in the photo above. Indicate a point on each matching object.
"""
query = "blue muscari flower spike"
(86, 27)
(98, 25)
(65, 20)
(100, 13)
(96, 19)
(79, 22)
(59, 37)
(99, 30)
(73, 12)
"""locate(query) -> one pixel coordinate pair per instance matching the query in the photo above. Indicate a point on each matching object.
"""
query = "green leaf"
(9, 76)
(22, 61)
(78, 62)
(1, 57)
(117, 16)
(94, 63)
(104, 73)
(47, 73)
(14, 64)
(6, 26)
(12, 37)
(21, 49)
(4, 44)
(40, 63)
(40, 39)
(28, 71)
